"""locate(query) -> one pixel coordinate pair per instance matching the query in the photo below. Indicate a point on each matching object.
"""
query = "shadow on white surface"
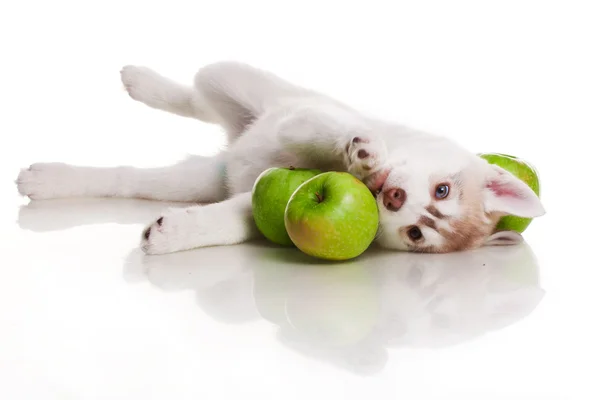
(348, 314)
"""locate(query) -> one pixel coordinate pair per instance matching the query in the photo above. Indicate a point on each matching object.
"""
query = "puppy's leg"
(198, 179)
(240, 93)
(227, 93)
(225, 223)
(159, 92)
(326, 138)
(336, 136)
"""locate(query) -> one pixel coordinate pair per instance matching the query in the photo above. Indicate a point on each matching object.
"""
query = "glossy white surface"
(84, 315)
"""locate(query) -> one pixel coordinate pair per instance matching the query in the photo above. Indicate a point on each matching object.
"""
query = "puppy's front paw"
(365, 156)
(172, 231)
(44, 181)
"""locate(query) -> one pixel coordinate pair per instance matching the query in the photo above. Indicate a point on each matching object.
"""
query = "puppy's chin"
(389, 240)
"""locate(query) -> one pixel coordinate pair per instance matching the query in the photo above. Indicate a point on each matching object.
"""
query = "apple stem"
(319, 197)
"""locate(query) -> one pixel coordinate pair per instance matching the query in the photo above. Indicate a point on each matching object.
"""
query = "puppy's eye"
(442, 191)
(415, 233)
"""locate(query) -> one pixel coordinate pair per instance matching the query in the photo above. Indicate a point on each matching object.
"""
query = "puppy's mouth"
(376, 181)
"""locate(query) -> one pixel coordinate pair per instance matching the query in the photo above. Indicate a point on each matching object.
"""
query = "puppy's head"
(443, 198)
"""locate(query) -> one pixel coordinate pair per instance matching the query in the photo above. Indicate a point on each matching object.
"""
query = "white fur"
(224, 223)
(195, 180)
(271, 122)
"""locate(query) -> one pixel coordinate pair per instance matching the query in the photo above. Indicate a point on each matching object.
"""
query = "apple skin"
(525, 172)
(270, 195)
(332, 216)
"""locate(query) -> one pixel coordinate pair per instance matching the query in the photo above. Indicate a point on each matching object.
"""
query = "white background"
(79, 321)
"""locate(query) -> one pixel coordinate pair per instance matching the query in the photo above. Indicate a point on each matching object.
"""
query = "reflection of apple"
(272, 279)
(523, 268)
(332, 216)
(333, 306)
(270, 194)
(525, 172)
(320, 303)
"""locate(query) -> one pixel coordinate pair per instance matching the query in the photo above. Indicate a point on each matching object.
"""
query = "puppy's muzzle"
(394, 198)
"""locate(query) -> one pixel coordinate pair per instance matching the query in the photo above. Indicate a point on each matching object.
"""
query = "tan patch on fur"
(434, 211)
(466, 232)
(427, 222)
(472, 229)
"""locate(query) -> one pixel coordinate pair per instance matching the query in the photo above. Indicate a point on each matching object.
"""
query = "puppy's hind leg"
(239, 93)
(159, 92)
(227, 93)
(196, 179)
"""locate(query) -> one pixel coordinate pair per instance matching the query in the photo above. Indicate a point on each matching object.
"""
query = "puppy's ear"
(506, 194)
(504, 238)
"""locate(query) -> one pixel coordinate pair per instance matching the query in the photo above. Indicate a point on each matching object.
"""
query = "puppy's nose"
(394, 198)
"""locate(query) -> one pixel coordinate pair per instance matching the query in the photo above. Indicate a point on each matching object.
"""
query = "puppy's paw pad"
(364, 156)
(146, 233)
(167, 234)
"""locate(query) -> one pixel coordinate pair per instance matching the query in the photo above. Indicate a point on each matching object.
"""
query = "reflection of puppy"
(221, 282)
(348, 314)
(452, 298)
(60, 214)
(433, 195)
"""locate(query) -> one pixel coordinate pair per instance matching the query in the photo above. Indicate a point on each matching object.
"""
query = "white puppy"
(433, 195)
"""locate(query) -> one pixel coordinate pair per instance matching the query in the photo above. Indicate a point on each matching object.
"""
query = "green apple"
(332, 216)
(525, 172)
(270, 195)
